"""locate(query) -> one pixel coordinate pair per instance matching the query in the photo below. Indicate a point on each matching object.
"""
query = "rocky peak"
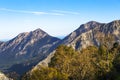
(90, 25)
(36, 33)
(82, 29)
(39, 31)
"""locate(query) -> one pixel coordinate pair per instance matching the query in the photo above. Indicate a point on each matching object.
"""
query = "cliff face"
(26, 50)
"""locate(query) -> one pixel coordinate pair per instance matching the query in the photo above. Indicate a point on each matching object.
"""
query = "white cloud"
(66, 12)
(38, 13)
(22, 11)
(59, 14)
(53, 12)
(31, 12)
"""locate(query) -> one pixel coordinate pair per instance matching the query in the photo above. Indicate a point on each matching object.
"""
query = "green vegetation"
(92, 63)
(46, 73)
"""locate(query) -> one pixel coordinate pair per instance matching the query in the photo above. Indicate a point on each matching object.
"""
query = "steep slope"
(88, 34)
(26, 50)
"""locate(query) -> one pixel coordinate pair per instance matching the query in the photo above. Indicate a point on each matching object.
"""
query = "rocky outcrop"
(3, 77)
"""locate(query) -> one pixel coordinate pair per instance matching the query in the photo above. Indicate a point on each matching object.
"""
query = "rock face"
(90, 34)
(26, 50)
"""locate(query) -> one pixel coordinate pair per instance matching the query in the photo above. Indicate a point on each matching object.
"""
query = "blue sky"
(56, 17)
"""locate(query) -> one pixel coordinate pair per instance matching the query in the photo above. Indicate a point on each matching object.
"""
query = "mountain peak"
(116, 21)
(90, 24)
(93, 23)
(39, 30)
(38, 33)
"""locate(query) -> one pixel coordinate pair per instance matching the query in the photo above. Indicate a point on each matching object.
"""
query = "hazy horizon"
(56, 17)
(4, 40)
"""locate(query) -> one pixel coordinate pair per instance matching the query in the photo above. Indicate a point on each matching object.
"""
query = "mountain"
(88, 34)
(25, 50)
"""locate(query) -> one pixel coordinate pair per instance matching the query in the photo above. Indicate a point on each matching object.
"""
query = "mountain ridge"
(92, 28)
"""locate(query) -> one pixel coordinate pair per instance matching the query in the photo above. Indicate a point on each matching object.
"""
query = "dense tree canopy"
(92, 63)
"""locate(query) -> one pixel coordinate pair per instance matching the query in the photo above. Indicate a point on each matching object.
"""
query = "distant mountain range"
(28, 49)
